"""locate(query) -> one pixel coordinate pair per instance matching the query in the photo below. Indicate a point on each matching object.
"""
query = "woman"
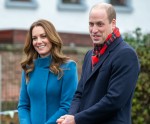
(49, 79)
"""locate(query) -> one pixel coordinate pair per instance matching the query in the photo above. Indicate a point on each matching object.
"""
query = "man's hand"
(66, 119)
(61, 119)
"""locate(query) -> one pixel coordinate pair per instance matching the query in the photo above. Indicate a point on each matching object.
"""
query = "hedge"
(141, 100)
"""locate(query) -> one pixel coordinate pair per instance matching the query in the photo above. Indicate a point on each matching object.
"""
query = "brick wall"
(12, 36)
(18, 37)
(10, 75)
(77, 39)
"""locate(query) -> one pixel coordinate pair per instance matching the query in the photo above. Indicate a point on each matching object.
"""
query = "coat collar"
(43, 62)
(102, 59)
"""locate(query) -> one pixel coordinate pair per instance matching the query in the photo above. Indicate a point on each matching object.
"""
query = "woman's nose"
(39, 40)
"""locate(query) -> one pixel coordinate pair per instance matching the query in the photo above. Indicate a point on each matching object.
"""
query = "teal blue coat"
(46, 97)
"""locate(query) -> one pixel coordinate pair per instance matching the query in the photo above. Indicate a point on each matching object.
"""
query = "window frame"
(71, 6)
(21, 4)
(127, 8)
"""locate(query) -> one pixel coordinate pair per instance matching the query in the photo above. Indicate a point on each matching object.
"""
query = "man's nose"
(95, 29)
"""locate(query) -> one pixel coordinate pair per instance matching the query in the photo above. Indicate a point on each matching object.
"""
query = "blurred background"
(70, 17)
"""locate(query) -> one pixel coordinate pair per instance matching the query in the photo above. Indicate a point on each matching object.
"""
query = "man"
(109, 74)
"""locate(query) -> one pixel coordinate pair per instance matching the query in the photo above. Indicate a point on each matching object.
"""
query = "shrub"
(141, 99)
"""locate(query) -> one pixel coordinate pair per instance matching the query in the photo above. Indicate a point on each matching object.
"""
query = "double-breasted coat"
(104, 94)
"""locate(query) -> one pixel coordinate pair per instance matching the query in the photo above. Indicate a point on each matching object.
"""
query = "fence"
(10, 74)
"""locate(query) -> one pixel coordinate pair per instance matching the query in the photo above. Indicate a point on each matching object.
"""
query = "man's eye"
(91, 24)
(99, 24)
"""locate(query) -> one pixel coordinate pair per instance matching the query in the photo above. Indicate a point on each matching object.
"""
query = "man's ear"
(113, 24)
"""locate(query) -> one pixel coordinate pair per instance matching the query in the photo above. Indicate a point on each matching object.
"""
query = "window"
(71, 5)
(121, 5)
(21, 3)
(71, 1)
(118, 2)
(22, 0)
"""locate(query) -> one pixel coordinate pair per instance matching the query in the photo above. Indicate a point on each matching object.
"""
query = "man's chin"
(96, 42)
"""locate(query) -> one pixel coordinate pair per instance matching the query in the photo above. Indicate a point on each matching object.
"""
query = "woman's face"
(40, 41)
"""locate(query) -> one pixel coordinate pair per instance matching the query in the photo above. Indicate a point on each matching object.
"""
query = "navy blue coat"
(104, 95)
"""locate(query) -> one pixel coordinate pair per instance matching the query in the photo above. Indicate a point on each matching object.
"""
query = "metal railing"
(9, 87)
(9, 114)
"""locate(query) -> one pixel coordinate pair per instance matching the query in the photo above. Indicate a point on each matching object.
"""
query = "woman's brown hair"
(31, 54)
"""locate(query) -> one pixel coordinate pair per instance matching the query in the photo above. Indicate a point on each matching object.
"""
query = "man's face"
(99, 25)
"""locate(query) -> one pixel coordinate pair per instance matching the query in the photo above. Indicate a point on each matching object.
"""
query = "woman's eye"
(43, 36)
(34, 39)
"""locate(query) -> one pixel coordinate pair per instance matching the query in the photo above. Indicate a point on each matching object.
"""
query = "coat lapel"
(98, 65)
(88, 68)
(102, 59)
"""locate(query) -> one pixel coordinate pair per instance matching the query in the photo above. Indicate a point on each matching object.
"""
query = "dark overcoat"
(104, 95)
